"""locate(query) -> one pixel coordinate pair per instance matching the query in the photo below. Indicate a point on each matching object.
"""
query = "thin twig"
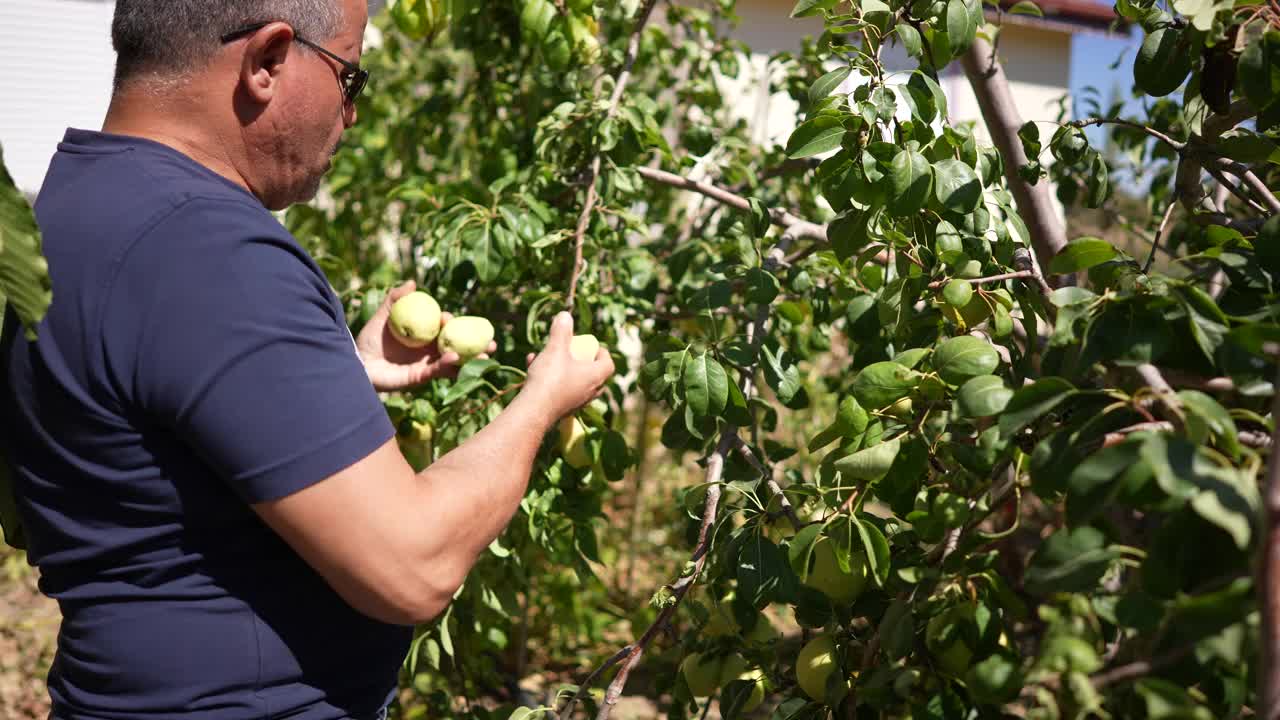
(1165, 397)
(1168, 213)
(1176, 145)
(588, 206)
(773, 485)
(978, 281)
(567, 712)
(1139, 668)
(1255, 183)
(1234, 189)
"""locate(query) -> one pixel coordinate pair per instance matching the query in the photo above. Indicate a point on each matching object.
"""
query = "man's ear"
(264, 61)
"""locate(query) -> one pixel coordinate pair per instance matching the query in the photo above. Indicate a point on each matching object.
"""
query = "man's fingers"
(398, 292)
(561, 329)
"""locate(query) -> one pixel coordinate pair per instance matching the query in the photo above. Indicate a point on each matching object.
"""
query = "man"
(209, 485)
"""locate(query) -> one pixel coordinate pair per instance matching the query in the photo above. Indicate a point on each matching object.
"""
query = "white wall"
(56, 65)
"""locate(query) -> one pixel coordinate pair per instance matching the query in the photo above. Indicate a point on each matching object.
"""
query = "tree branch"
(994, 278)
(798, 227)
(991, 87)
(1155, 244)
(1139, 668)
(1255, 183)
(588, 206)
(773, 485)
(1176, 145)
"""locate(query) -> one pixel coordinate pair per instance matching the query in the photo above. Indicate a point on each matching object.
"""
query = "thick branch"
(588, 205)
(1255, 183)
(1269, 587)
(991, 87)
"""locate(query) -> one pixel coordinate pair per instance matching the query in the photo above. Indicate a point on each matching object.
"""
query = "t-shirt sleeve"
(219, 328)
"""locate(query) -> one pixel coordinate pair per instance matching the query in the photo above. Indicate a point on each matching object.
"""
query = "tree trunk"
(1003, 120)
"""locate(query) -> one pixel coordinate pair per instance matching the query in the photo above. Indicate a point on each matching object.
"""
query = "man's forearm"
(470, 494)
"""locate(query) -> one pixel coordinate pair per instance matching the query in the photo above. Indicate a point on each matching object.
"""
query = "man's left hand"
(392, 366)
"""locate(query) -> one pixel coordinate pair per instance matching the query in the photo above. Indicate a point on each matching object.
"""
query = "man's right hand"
(560, 382)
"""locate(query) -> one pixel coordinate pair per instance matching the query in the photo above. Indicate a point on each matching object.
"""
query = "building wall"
(57, 66)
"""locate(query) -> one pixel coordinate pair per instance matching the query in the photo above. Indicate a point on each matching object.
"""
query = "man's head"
(263, 79)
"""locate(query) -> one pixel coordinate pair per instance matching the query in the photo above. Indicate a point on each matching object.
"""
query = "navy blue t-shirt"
(194, 360)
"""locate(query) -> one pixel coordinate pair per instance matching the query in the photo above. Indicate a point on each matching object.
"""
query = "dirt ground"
(28, 637)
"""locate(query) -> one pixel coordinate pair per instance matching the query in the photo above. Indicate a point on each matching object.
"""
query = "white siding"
(56, 65)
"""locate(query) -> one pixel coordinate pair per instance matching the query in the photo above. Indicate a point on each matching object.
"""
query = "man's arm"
(395, 545)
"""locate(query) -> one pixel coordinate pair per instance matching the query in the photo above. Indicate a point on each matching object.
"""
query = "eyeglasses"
(353, 77)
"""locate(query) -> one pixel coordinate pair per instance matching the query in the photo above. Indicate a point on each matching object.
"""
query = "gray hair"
(174, 37)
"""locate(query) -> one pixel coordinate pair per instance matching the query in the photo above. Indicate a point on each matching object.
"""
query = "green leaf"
(897, 629)
(1071, 295)
(801, 547)
(759, 218)
(959, 358)
(1259, 69)
(1221, 495)
(805, 8)
(882, 383)
(24, 274)
(1026, 7)
(956, 185)
(762, 572)
(819, 135)
(983, 396)
(762, 286)
(1069, 561)
(1082, 254)
(1163, 61)
(1205, 416)
(910, 38)
(910, 182)
(1167, 700)
(706, 386)
(869, 463)
(824, 85)
(1032, 401)
(535, 20)
(876, 548)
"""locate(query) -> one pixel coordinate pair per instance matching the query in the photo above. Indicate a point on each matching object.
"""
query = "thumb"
(399, 292)
(561, 330)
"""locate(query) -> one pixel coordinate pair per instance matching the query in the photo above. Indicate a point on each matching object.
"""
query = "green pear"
(583, 348)
(415, 319)
(467, 335)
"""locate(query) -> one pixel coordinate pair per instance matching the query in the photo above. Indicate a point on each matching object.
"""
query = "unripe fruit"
(415, 319)
(573, 442)
(756, 696)
(902, 409)
(815, 664)
(721, 620)
(702, 677)
(952, 657)
(583, 348)
(467, 335)
(827, 577)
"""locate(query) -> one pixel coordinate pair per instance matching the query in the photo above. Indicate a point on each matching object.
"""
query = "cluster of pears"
(561, 38)
(415, 322)
(705, 673)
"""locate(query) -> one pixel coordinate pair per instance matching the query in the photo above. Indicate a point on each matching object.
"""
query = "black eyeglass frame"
(353, 77)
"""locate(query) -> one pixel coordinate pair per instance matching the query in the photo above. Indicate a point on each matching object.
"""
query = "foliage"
(1033, 513)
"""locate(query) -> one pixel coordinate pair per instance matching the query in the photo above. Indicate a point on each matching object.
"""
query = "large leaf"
(1222, 495)
(706, 386)
(957, 186)
(824, 85)
(819, 135)
(910, 181)
(960, 358)
(1259, 69)
(1069, 561)
(1163, 61)
(869, 463)
(24, 274)
(804, 8)
(882, 383)
(1033, 401)
(982, 396)
(1082, 254)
